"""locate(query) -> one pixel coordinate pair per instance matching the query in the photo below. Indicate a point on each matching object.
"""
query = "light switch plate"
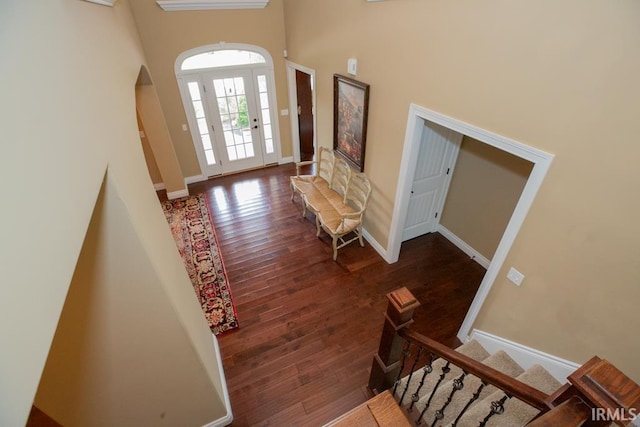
(515, 276)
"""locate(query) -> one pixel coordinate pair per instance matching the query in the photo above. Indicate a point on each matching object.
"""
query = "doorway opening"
(302, 101)
(229, 97)
(418, 120)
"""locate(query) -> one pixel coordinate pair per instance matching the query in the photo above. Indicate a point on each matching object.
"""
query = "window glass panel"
(249, 150)
(246, 135)
(241, 152)
(264, 101)
(226, 122)
(231, 152)
(202, 126)
(206, 142)
(222, 58)
(233, 104)
(266, 117)
(238, 137)
(234, 121)
(262, 83)
(269, 144)
(210, 159)
(218, 85)
(223, 106)
(229, 87)
(194, 91)
(243, 112)
(228, 138)
(239, 83)
(267, 132)
(199, 110)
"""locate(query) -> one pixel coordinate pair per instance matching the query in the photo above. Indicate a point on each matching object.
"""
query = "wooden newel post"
(386, 362)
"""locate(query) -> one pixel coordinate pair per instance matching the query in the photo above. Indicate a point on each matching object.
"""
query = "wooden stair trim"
(571, 412)
(605, 386)
(380, 410)
(510, 386)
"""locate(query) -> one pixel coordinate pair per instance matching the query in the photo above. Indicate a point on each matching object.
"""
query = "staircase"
(442, 394)
(434, 385)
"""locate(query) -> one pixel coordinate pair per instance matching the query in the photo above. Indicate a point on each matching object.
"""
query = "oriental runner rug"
(192, 228)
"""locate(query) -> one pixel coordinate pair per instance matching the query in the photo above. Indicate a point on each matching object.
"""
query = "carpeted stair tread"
(516, 412)
(472, 349)
(500, 361)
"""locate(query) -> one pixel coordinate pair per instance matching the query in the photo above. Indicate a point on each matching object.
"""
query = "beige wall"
(559, 76)
(149, 112)
(152, 166)
(485, 188)
(67, 114)
(118, 356)
(167, 34)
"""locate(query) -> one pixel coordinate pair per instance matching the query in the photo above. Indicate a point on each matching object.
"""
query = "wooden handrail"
(510, 386)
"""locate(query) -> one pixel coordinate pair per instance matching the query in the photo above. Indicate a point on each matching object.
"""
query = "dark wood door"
(305, 114)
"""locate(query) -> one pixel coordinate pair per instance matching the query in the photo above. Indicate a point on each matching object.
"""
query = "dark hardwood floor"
(308, 325)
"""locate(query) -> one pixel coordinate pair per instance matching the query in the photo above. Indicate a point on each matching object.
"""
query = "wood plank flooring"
(308, 325)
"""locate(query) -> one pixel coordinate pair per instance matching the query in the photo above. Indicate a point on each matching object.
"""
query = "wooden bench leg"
(335, 247)
(317, 226)
(360, 236)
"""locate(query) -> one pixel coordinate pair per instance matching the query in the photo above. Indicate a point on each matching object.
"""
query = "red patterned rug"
(190, 222)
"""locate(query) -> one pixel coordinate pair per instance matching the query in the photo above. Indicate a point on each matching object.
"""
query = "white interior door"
(439, 149)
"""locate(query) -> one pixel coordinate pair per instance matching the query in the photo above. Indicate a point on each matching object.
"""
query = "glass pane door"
(232, 98)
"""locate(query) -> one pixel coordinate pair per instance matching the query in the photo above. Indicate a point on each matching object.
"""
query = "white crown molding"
(103, 2)
(176, 5)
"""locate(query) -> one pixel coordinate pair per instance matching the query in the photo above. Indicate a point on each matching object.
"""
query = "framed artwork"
(350, 110)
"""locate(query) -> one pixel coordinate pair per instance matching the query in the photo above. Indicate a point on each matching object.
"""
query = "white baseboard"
(188, 180)
(525, 356)
(195, 178)
(377, 246)
(463, 246)
(228, 418)
(177, 194)
(286, 160)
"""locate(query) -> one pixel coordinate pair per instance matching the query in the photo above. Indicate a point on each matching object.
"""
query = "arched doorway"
(228, 93)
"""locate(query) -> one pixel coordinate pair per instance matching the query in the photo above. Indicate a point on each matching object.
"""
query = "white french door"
(232, 117)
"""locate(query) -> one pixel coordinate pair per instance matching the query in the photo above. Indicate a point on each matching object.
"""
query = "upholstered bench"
(336, 195)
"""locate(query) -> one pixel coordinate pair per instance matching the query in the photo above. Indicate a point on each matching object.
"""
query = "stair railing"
(596, 388)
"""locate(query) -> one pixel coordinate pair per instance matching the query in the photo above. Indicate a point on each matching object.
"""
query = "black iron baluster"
(497, 408)
(428, 368)
(445, 371)
(406, 352)
(413, 367)
(458, 384)
(475, 397)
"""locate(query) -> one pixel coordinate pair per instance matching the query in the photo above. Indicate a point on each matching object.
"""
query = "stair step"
(516, 412)
(500, 361)
(473, 349)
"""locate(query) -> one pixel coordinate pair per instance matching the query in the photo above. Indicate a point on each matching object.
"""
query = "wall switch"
(352, 66)
(142, 134)
(184, 127)
(284, 112)
(515, 276)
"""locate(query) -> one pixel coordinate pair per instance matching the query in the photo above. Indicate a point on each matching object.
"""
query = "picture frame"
(350, 112)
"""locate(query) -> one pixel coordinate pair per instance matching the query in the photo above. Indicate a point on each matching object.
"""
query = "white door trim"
(293, 106)
(541, 163)
(269, 72)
